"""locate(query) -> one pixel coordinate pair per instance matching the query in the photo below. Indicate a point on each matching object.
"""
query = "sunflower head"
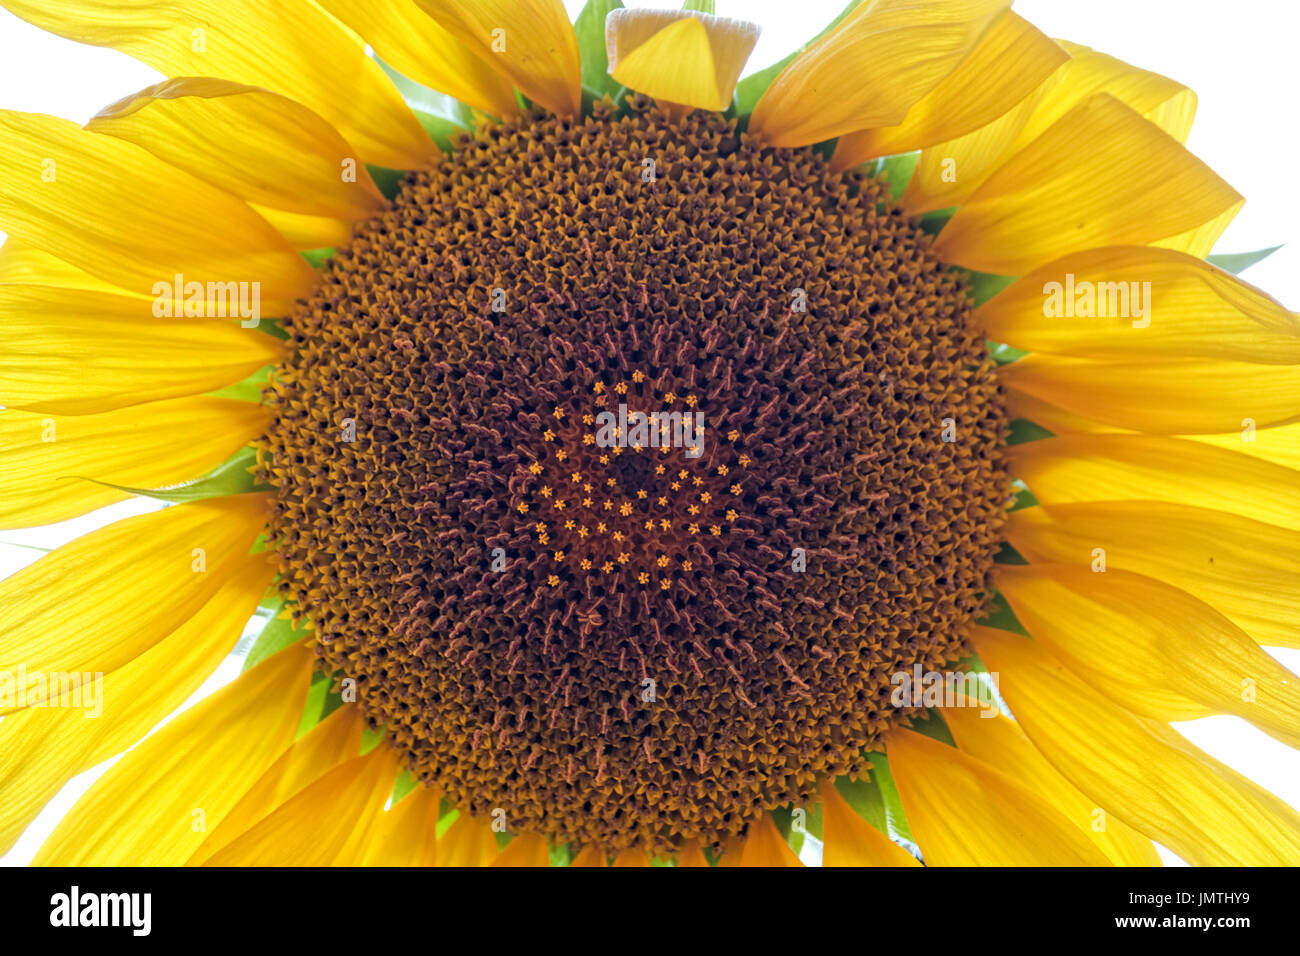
(644, 463)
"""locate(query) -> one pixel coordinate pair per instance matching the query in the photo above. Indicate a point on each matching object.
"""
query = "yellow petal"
(591, 856)
(95, 603)
(52, 462)
(964, 812)
(949, 172)
(869, 71)
(680, 57)
(292, 47)
(763, 845)
(530, 41)
(849, 840)
(1078, 185)
(999, 742)
(1056, 420)
(112, 209)
(319, 825)
(1010, 62)
(1247, 570)
(41, 748)
(263, 147)
(691, 855)
(1174, 397)
(409, 41)
(527, 849)
(632, 858)
(23, 264)
(404, 834)
(1074, 468)
(1152, 648)
(77, 352)
(149, 808)
(1280, 445)
(467, 842)
(306, 232)
(1141, 302)
(1138, 771)
(333, 741)
(1200, 240)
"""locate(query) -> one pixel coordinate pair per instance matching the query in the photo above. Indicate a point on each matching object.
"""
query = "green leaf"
(231, 478)
(897, 171)
(1238, 262)
(700, 6)
(590, 28)
(248, 390)
(751, 89)
(278, 634)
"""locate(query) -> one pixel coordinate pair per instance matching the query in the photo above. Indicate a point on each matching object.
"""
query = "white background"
(1239, 57)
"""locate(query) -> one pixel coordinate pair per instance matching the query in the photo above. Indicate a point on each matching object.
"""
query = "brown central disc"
(622, 645)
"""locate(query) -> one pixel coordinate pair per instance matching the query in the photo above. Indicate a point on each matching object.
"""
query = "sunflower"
(620, 462)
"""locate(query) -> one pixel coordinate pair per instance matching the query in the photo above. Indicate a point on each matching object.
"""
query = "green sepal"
(897, 171)
(865, 799)
(317, 258)
(370, 738)
(1023, 430)
(590, 30)
(1238, 262)
(248, 389)
(561, 855)
(895, 818)
(932, 725)
(933, 222)
(700, 6)
(278, 634)
(387, 181)
(1024, 497)
(1009, 555)
(231, 478)
(404, 784)
(443, 117)
(313, 711)
(273, 328)
(1000, 616)
(984, 285)
(1005, 354)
